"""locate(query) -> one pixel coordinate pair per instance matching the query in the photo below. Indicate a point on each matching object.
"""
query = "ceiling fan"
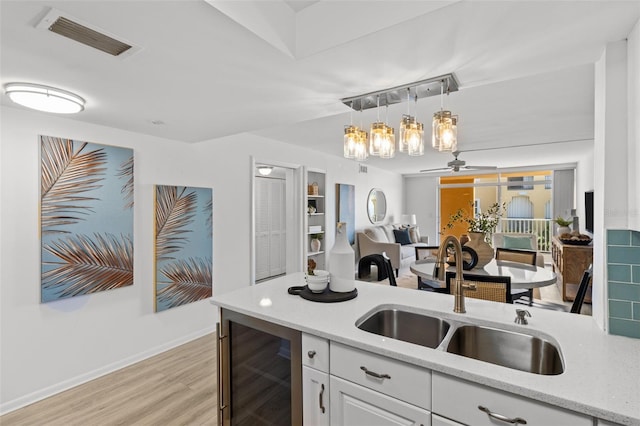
(456, 165)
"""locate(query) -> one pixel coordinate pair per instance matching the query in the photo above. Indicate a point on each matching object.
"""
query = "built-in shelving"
(316, 209)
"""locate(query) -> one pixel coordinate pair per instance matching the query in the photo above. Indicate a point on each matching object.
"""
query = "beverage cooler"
(259, 372)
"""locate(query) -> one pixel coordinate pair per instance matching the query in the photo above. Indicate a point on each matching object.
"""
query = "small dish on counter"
(317, 282)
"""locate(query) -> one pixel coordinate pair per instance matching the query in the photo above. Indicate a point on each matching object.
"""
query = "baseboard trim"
(39, 395)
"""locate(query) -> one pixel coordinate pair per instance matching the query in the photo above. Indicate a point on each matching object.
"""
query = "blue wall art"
(184, 245)
(86, 217)
(346, 206)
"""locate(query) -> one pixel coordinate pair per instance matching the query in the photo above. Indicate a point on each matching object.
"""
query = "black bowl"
(576, 242)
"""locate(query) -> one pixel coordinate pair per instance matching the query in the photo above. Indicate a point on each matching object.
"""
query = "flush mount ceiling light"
(411, 137)
(44, 98)
(444, 136)
(265, 170)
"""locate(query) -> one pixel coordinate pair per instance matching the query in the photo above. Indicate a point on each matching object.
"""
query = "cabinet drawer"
(355, 405)
(459, 400)
(397, 379)
(315, 352)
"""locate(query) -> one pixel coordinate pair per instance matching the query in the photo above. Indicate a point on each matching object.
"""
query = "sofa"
(380, 239)
(514, 240)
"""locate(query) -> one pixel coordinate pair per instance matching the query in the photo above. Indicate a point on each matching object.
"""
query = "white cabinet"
(607, 423)
(436, 420)
(315, 397)
(353, 405)
(370, 389)
(315, 352)
(478, 405)
(315, 381)
(395, 378)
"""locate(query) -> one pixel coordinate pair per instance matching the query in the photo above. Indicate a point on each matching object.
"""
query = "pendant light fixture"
(388, 142)
(411, 131)
(381, 139)
(351, 135)
(444, 136)
(362, 142)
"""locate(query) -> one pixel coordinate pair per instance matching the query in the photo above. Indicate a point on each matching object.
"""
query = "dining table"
(523, 276)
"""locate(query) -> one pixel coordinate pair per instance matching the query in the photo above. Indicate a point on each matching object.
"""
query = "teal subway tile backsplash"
(623, 327)
(623, 274)
(620, 309)
(620, 273)
(618, 238)
(623, 291)
(628, 255)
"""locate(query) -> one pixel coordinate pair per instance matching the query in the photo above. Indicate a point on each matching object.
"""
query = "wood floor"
(177, 387)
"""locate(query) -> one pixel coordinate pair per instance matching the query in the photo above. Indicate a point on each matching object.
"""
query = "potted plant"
(563, 225)
(484, 223)
(480, 227)
(315, 242)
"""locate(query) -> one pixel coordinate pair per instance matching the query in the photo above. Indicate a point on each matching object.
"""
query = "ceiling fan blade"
(441, 169)
(480, 167)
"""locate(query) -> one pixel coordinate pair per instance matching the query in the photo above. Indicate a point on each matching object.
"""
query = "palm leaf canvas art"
(86, 217)
(183, 245)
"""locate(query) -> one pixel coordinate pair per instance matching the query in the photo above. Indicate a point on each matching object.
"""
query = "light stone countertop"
(601, 376)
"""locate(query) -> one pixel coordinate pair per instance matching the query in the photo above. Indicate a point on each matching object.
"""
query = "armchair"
(380, 239)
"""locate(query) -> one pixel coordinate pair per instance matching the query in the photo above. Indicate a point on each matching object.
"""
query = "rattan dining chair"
(527, 257)
(488, 287)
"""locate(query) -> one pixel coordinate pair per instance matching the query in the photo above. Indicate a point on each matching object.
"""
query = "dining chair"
(488, 287)
(587, 276)
(578, 301)
(389, 268)
(527, 257)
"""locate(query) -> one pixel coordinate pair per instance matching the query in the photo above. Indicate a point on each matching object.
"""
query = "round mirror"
(376, 205)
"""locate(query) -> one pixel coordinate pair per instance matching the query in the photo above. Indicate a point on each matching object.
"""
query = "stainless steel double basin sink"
(507, 348)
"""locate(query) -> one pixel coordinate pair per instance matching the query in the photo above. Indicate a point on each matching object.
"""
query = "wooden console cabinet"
(570, 262)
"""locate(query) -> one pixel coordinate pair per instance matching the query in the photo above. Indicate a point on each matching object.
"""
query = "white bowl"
(318, 282)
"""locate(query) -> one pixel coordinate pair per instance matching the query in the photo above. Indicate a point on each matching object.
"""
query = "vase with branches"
(484, 222)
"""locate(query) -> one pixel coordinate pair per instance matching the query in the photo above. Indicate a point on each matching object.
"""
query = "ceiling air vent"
(55, 22)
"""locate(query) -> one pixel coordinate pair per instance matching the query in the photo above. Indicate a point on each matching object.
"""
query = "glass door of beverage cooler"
(260, 372)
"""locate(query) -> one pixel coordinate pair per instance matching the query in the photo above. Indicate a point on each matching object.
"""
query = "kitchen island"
(601, 377)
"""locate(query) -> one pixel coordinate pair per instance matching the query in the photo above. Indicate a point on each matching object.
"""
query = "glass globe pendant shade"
(411, 136)
(351, 136)
(415, 140)
(361, 149)
(376, 136)
(405, 129)
(388, 144)
(444, 136)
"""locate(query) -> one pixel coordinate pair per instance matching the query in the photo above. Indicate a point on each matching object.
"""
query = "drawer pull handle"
(374, 374)
(515, 421)
(311, 354)
(320, 399)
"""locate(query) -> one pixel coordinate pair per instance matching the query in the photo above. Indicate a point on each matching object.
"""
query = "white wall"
(611, 171)
(633, 78)
(46, 348)
(421, 198)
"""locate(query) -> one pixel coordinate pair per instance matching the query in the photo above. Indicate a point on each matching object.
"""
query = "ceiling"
(202, 70)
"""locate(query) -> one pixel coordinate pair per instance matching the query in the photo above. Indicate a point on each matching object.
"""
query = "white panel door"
(353, 405)
(270, 227)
